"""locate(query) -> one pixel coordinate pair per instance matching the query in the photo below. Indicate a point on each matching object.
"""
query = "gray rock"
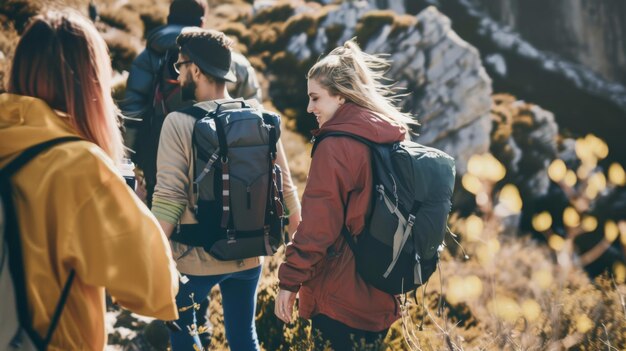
(447, 87)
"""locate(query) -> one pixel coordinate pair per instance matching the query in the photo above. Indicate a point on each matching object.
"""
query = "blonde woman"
(76, 215)
(345, 94)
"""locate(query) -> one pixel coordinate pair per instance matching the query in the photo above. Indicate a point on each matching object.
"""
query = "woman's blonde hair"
(62, 59)
(349, 72)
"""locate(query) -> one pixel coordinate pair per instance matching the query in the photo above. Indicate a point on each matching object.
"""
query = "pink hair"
(62, 59)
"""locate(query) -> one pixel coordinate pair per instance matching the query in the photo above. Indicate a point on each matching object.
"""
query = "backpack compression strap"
(16, 262)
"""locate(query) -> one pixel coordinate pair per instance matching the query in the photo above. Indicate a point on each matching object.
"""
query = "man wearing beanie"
(203, 63)
(152, 90)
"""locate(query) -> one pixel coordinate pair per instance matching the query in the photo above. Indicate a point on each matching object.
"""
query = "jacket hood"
(363, 122)
(26, 121)
(163, 38)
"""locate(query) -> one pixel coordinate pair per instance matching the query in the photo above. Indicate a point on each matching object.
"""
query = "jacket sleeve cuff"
(292, 288)
(166, 210)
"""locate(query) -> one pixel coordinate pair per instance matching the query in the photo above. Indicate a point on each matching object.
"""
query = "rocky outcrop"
(567, 56)
(589, 32)
(524, 139)
(448, 89)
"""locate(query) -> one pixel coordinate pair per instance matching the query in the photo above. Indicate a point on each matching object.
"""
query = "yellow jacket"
(76, 212)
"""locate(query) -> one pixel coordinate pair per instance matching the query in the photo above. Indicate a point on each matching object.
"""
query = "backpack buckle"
(411, 220)
(230, 235)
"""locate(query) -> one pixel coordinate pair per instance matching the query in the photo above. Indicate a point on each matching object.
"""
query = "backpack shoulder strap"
(196, 112)
(12, 237)
(318, 139)
(30, 153)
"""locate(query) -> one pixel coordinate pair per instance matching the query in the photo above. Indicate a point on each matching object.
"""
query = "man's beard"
(188, 89)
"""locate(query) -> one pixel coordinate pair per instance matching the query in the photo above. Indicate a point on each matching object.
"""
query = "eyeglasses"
(178, 64)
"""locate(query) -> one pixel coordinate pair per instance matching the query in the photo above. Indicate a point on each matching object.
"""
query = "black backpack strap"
(196, 112)
(267, 118)
(12, 237)
(318, 139)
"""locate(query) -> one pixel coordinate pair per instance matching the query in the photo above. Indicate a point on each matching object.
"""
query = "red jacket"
(319, 263)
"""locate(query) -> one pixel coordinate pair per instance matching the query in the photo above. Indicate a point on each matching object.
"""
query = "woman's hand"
(283, 307)
(294, 221)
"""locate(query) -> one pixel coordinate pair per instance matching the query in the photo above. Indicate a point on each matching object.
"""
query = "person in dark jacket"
(345, 94)
(147, 69)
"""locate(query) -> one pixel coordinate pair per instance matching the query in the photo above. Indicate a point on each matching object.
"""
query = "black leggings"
(342, 337)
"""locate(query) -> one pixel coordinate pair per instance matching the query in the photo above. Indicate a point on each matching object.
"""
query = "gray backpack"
(17, 332)
(237, 185)
(399, 248)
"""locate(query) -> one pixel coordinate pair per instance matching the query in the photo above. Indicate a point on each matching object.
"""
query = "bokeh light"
(589, 223)
(487, 251)
(471, 183)
(531, 310)
(584, 170)
(557, 170)
(473, 228)
(556, 242)
(611, 231)
(542, 221)
(617, 176)
(570, 178)
(583, 323)
(461, 289)
(543, 278)
(505, 308)
(571, 218)
(510, 197)
(486, 167)
(598, 180)
(619, 272)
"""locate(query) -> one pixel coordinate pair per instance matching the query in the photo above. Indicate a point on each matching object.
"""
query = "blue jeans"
(238, 301)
